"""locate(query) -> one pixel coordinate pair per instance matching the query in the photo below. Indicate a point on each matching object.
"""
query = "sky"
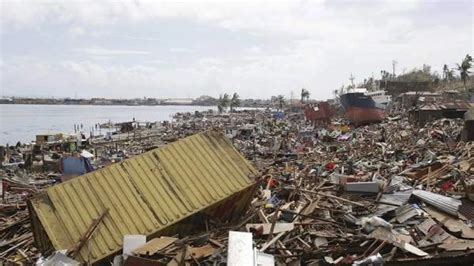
(178, 49)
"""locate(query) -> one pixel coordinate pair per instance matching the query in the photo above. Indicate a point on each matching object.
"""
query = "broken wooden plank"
(396, 239)
(279, 227)
(262, 216)
(87, 235)
(331, 196)
(202, 252)
(453, 225)
(457, 245)
(155, 245)
(272, 227)
(271, 242)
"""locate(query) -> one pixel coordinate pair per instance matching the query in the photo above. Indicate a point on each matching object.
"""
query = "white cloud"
(99, 51)
(77, 31)
(180, 50)
(317, 44)
(279, 16)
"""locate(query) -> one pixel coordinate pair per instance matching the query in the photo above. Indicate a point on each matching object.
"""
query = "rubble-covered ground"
(334, 194)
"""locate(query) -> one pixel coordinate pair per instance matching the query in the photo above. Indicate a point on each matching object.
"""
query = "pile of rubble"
(301, 218)
(17, 243)
(387, 193)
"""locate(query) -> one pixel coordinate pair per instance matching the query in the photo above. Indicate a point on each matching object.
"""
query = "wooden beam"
(87, 235)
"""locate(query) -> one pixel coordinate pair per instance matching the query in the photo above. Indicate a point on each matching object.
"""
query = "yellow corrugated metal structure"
(144, 194)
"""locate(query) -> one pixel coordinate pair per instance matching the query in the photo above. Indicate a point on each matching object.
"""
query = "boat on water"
(363, 107)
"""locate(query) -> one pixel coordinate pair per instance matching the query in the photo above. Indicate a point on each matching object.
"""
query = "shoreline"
(141, 105)
(23, 122)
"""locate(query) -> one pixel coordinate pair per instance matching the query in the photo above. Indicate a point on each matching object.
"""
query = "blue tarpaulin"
(279, 115)
(75, 166)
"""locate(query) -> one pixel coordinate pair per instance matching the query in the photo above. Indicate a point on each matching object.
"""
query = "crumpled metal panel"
(144, 194)
(447, 204)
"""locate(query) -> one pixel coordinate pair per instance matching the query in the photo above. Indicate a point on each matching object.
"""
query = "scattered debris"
(310, 192)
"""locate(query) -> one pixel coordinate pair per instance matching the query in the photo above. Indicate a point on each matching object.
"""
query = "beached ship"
(362, 107)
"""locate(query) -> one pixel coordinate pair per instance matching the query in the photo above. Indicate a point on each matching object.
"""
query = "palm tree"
(463, 69)
(445, 72)
(220, 108)
(281, 101)
(234, 102)
(226, 100)
(450, 75)
(304, 95)
(223, 103)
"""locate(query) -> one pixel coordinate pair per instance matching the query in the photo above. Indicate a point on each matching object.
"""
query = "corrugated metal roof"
(459, 105)
(144, 194)
(456, 105)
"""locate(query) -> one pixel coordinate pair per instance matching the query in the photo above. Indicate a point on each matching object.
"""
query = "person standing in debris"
(382, 138)
(350, 168)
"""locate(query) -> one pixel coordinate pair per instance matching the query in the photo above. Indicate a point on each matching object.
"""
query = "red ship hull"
(362, 115)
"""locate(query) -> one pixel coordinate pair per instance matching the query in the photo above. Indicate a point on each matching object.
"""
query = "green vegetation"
(234, 102)
(463, 69)
(304, 95)
(448, 74)
(225, 102)
(281, 101)
(419, 75)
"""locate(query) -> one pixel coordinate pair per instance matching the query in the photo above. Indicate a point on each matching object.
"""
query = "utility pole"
(351, 78)
(394, 65)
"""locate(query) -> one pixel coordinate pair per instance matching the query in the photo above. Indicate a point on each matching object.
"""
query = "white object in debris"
(132, 242)
(263, 259)
(320, 242)
(87, 154)
(57, 258)
(329, 260)
(420, 142)
(118, 260)
(267, 194)
(240, 250)
(371, 260)
(369, 224)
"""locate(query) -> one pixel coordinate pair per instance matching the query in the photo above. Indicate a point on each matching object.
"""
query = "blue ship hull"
(361, 109)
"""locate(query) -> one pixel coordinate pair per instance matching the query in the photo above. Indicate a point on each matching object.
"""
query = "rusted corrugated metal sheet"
(319, 112)
(144, 194)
